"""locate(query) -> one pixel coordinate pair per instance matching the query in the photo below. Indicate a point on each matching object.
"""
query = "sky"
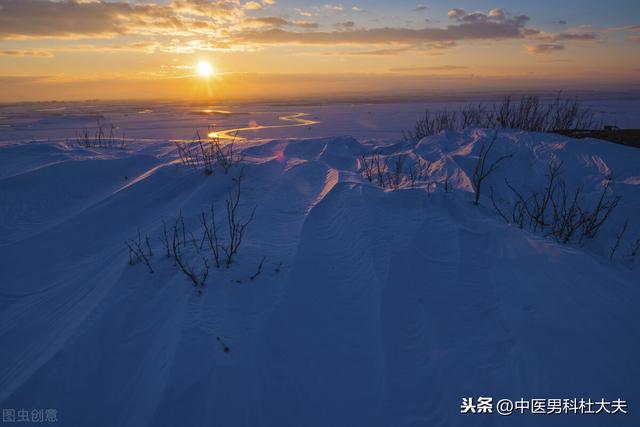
(271, 49)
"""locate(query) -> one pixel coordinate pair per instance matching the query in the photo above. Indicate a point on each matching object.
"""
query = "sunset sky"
(292, 48)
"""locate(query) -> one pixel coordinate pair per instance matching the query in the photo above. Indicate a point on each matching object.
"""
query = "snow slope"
(374, 307)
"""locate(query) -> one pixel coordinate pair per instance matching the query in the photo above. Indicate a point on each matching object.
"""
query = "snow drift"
(374, 307)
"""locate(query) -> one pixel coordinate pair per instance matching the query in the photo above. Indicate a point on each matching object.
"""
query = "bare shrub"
(209, 154)
(634, 250)
(418, 171)
(196, 154)
(225, 249)
(140, 251)
(618, 240)
(186, 154)
(596, 217)
(226, 155)
(541, 202)
(529, 113)
(558, 212)
(374, 167)
(483, 169)
(177, 245)
(381, 169)
(432, 124)
(393, 173)
(496, 207)
(103, 136)
(192, 253)
(259, 270)
(236, 226)
(476, 115)
(164, 238)
(366, 164)
(210, 235)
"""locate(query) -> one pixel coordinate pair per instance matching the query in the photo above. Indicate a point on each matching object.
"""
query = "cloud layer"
(74, 19)
(227, 19)
(186, 26)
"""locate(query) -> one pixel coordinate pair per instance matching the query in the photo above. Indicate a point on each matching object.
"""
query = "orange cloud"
(71, 19)
(544, 48)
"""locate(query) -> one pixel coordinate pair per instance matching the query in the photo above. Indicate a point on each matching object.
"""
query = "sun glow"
(204, 69)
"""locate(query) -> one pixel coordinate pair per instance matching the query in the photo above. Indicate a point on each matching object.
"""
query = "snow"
(375, 307)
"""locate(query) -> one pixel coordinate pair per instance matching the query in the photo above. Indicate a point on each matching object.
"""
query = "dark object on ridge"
(628, 137)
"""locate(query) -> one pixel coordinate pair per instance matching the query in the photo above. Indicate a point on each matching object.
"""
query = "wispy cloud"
(544, 48)
(568, 36)
(275, 21)
(27, 52)
(428, 68)
(347, 25)
(425, 49)
(475, 29)
(334, 7)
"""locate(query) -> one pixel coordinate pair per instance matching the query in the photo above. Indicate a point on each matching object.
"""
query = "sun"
(204, 69)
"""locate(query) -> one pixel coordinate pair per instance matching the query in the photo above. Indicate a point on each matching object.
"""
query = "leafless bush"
(447, 187)
(197, 154)
(259, 270)
(374, 167)
(366, 164)
(558, 212)
(540, 204)
(209, 154)
(618, 240)
(226, 155)
(236, 226)
(496, 207)
(418, 171)
(192, 253)
(483, 169)
(164, 238)
(532, 114)
(432, 124)
(476, 115)
(140, 251)
(103, 136)
(381, 169)
(567, 213)
(177, 246)
(634, 250)
(395, 176)
(210, 235)
(182, 245)
(224, 250)
(595, 218)
(529, 113)
(187, 155)
(393, 173)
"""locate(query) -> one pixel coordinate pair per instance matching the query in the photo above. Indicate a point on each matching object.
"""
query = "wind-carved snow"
(375, 307)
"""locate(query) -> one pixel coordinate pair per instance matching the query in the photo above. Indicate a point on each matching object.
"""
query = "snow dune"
(374, 308)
